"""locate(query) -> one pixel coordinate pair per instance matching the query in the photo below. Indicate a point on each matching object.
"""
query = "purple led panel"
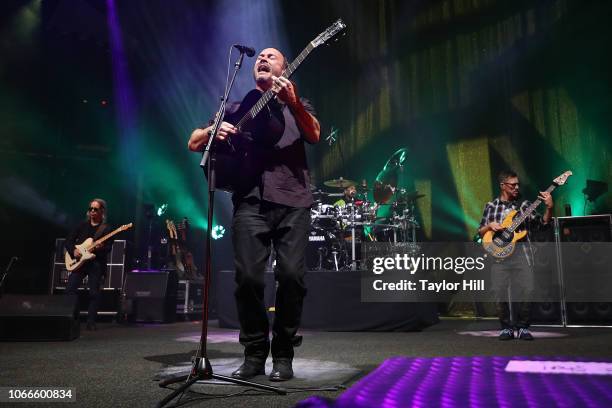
(471, 382)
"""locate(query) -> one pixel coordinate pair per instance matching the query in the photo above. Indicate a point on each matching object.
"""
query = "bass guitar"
(249, 117)
(85, 247)
(501, 244)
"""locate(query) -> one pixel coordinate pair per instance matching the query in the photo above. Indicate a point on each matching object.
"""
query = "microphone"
(249, 51)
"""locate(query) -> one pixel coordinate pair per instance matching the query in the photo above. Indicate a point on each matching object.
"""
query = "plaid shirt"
(497, 210)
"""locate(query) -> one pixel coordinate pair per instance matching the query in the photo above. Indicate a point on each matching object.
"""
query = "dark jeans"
(95, 273)
(513, 279)
(257, 226)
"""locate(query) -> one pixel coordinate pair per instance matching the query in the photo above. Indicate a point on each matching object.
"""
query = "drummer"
(349, 196)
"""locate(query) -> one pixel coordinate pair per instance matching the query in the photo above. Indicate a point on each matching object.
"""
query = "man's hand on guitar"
(495, 226)
(199, 137)
(226, 129)
(547, 198)
(285, 90)
(76, 253)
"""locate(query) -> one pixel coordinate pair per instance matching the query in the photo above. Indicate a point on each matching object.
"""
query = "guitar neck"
(268, 95)
(105, 237)
(520, 219)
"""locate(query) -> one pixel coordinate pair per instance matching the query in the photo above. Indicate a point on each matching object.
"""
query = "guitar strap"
(99, 231)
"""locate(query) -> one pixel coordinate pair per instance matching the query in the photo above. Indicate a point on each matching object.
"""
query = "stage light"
(162, 209)
(218, 232)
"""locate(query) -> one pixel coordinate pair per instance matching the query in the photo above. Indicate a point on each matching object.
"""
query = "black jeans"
(257, 226)
(513, 278)
(95, 273)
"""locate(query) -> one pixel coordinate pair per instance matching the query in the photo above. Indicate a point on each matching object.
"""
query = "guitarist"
(517, 270)
(272, 207)
(94, 227)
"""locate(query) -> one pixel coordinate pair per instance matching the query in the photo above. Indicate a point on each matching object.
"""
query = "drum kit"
(352, 214)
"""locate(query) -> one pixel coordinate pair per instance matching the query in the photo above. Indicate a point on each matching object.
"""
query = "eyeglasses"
(513, 185)
(94, 209)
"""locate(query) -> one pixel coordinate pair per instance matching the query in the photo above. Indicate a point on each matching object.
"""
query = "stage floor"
(116, 365)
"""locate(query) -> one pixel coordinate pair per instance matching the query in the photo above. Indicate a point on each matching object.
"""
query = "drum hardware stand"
(335, 253)
(201, 368)
(320, 250)
(353, 244)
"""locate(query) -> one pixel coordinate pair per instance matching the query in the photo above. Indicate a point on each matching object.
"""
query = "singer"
(273, 210)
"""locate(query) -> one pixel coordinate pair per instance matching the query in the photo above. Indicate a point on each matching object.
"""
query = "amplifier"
(150, 296)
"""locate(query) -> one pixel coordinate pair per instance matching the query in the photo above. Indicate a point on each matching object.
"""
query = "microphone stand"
(201, 368)
(5, 273)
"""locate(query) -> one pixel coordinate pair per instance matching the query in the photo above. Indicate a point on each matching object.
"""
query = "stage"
(339, 291)
(382, 130)
(117, 365)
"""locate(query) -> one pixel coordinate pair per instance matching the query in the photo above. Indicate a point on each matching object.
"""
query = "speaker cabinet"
(151, 296)
(585, 260)
(547, 310)
(39, 318)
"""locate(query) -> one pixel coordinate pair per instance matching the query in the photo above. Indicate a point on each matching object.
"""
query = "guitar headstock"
(329, 33)
(559, 181)
(171, 229)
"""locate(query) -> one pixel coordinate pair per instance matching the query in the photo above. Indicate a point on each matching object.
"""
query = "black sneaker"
(506, 334)
(525, 334)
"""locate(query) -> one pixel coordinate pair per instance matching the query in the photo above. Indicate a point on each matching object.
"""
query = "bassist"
(517, 269)
(93, 227)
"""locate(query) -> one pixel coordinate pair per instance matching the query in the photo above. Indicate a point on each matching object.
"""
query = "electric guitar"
(85, 248)
(249, 119)
(501, 244)
(174, 244)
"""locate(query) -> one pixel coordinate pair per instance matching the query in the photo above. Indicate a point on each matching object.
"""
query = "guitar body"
(265, 129)
(501, 244)
(74, 264)
(261, 132)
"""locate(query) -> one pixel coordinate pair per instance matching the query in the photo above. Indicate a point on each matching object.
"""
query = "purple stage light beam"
(122, 91)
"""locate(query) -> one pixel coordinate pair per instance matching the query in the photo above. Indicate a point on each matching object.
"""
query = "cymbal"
(340, 183)
(392, 172)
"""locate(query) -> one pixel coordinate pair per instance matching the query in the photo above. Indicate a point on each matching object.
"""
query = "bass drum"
(324, 251)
